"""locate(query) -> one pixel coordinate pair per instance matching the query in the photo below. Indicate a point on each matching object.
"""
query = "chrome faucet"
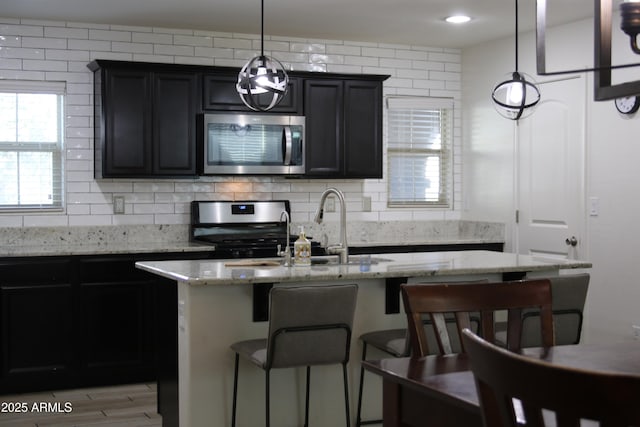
(286, 254)
(342, 248)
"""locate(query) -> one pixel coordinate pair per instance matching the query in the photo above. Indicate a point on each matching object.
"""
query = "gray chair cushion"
(392, 341)
(253, 350)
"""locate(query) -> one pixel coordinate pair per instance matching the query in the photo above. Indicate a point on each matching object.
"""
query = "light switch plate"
(118, 204)
(594, 206)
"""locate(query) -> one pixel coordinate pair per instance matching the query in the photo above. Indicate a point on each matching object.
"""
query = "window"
(419, 141)
(31, 135)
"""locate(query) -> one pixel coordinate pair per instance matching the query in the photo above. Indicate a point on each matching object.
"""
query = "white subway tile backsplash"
(153, 38)
(129, 47)
(67, 33)
(82, 220)
(116, 36)
(44, 50)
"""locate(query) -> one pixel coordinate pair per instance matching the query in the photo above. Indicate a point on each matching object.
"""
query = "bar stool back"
(308, 325)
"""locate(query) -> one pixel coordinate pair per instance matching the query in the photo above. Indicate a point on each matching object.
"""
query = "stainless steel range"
(244, 229)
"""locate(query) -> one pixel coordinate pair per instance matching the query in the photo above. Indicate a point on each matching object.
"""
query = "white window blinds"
(419, 141)
(31, 139)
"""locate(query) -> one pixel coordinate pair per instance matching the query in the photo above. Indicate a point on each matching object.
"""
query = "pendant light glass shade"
(262, 82)
(515, 96)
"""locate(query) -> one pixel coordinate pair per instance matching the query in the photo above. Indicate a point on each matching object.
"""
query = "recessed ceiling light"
(458, 19)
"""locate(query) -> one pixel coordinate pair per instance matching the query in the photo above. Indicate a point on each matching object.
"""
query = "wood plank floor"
(120, 406)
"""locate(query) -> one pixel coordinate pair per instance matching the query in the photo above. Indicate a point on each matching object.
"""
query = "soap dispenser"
(302, 249)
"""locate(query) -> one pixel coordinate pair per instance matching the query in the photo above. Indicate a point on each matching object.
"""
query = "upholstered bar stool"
(569, 293)
(308, 325)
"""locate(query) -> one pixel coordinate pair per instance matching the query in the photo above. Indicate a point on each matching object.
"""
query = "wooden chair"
(547, 394)
(438, 300)
(395, 342)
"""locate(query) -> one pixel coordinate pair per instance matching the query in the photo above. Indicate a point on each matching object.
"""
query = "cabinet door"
(116, 331)
(37, 337)
(363, 129)
(220, 94)
(174, 124)
(116, 313)
(323, 111)
(127, 142)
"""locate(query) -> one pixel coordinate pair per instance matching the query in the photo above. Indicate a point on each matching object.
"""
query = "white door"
(551, 172)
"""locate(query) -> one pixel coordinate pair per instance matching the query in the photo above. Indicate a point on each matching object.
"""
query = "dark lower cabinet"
(79, 321)
(116, 320)
(37, 336)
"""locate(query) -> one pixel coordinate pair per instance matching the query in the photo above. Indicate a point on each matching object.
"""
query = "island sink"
(351, 260)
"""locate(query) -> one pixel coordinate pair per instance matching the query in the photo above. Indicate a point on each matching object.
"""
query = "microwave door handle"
(287, 144)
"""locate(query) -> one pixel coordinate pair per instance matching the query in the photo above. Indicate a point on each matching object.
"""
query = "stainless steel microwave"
(253, 144)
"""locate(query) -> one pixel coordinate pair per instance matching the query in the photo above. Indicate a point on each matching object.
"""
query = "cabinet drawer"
(34, 271)
(219, 94)
(99, 270)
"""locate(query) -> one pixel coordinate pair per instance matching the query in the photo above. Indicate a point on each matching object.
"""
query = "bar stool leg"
(235, 392)
(360, 387)
(267, 420)
(306, 402)
(346, 393)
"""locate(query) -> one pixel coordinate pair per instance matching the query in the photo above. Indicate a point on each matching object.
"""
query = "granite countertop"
(418, 264)
(101, 249)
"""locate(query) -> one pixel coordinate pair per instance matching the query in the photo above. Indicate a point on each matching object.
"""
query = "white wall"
(60, 51)
(613, 149)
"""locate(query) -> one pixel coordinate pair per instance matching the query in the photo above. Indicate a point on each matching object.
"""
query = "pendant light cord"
(262, 27)
(516, 35)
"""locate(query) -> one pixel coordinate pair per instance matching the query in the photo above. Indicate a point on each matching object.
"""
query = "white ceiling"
(412, 22)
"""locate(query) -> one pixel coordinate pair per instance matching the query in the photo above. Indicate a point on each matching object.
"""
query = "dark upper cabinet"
(145, 121)
(175, 106)
(219, 94)
(344, 128)
(323, 127)
(146, 118)
(363, 129)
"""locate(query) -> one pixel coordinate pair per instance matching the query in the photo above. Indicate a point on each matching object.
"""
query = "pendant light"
(262, 82)
(515, 96)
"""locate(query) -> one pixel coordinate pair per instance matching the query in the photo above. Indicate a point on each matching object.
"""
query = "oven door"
(253, 144)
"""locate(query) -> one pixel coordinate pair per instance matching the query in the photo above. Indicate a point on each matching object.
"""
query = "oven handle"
(287, 145)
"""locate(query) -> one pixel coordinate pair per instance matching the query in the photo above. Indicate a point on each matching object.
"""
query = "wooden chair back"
(483, 299)
(547, 394)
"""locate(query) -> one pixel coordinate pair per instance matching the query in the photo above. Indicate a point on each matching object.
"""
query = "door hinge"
(517, 216)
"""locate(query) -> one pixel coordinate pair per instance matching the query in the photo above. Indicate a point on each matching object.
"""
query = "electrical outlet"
(118, 204)
(330, 204)
(366, 204)
(636, 331)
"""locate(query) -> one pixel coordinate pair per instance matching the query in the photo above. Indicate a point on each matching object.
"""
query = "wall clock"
(628, 104)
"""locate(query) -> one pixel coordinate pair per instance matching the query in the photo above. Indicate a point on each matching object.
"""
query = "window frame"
(445, 153)
(55, 148)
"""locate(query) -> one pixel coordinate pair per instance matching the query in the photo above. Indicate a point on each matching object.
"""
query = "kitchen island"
(216, 299)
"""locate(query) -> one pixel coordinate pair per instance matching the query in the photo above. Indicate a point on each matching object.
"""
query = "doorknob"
(572, 241)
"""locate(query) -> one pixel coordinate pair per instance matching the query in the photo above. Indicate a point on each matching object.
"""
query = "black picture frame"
(603, 89)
